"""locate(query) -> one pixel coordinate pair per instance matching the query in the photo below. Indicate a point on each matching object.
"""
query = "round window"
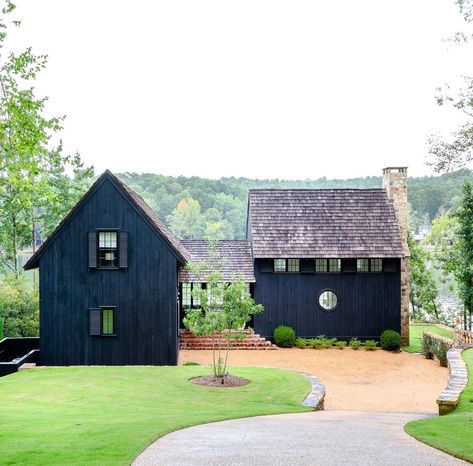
(328, 300)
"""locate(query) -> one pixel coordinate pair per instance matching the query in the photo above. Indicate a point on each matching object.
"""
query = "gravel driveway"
(318, 438)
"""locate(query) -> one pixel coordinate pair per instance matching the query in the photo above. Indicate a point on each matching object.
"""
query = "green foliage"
(464, 272)
(423, 289)
(224, 311)
(433, 345)
(29, 166)
(284, 336)
(355, 344)
(427, 345)
(390, 340)
(302, 343)
(370, 345)
(191, 363)
(340, 344)
(18, 307)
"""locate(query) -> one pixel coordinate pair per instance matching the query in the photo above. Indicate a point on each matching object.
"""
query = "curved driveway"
(318, 438)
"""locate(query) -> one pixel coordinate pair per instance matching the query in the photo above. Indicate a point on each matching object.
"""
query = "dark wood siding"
(144, 294)
(368, 302)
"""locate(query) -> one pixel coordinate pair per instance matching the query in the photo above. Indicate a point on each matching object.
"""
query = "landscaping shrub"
(284, 336)
(355, 343)
(316, 343)
(436, 346)
(191, 363)
(302, 343)
(390, 340)
(427, 345)
(341, 344)
(370, 345)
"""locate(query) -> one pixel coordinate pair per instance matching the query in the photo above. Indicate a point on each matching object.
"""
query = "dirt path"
(376, 381)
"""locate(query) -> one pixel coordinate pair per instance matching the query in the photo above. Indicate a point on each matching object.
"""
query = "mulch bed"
(225, 381)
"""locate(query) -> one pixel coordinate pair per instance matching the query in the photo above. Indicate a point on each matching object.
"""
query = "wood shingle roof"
(308, 223)
(236, 254)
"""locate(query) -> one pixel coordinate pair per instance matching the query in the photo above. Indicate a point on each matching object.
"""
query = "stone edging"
(315, 399)
(458, 378)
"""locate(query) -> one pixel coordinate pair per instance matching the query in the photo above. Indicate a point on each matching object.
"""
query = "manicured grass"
(108, 415)
(415, 336)
(453, 432)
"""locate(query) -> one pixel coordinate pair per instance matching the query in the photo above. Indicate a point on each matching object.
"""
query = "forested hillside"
(199, 207)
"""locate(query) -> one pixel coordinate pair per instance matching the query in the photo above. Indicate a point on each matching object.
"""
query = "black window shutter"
(95, 321)
(123, 252)
(92, 241)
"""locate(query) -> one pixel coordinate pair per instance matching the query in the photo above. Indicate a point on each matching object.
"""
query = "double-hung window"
(108, 249)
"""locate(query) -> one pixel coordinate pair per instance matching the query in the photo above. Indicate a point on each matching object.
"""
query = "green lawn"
(415, 336)
(108, 415)
(453, 432)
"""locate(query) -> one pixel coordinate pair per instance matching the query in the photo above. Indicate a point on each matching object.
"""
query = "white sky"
(263, 89)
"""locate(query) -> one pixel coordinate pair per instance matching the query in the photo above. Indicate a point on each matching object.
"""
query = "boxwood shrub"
(284, 336)
(390, 340)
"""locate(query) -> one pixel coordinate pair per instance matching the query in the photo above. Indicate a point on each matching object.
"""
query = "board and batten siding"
(368, 303)
(144, 294)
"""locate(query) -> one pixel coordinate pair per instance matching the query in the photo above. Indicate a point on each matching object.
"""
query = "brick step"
(251, 341)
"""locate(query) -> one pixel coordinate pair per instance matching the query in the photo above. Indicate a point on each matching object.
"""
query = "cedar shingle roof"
(327, 223)
(237, 255)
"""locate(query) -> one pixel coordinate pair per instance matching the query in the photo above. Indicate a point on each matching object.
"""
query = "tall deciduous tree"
(29, 166)
(464, 273)
(423, 289)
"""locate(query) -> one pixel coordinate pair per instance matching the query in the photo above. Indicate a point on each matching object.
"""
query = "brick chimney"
(395, 184)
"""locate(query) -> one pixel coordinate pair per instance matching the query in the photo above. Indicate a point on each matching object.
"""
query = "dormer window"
(108, 249)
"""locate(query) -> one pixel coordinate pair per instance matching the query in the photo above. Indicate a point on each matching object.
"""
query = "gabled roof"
(236, 255)
(308, 223)
(135, 199)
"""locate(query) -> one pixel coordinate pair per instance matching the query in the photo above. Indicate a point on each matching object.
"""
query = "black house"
(113, 287)
(109, 282)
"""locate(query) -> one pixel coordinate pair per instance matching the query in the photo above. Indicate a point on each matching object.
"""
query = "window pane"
(328, 300)
(334, 265)
(108, 252)
(107, 321)
(376, 265)
(321, 265)
(293, 265)
(279, 265)
(362, 265)
(186, 295)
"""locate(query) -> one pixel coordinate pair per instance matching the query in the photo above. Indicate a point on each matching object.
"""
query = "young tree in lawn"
(225, 308)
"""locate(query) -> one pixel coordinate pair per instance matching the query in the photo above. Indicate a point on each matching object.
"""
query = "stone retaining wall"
(463, 338)
(458, 378)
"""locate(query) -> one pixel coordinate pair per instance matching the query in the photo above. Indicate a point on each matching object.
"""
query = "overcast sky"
(263, 89)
